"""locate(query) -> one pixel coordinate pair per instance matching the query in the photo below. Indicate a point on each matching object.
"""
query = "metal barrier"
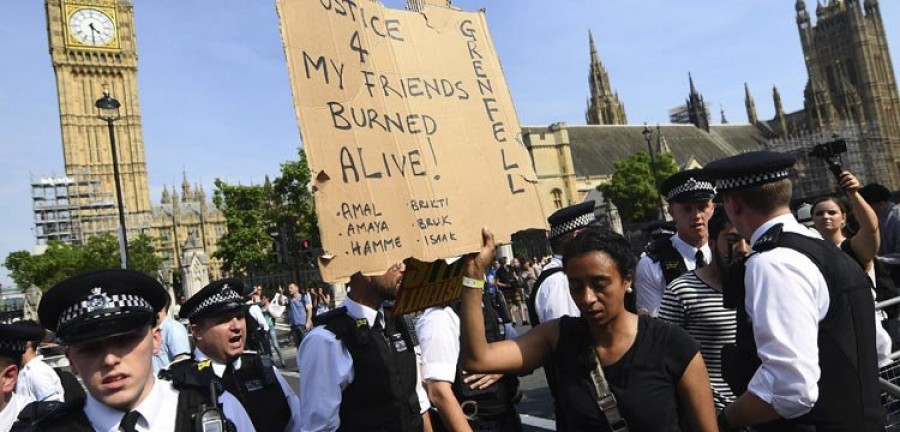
(889, 377)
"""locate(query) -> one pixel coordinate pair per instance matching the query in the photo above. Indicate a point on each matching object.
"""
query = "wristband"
(472, 283)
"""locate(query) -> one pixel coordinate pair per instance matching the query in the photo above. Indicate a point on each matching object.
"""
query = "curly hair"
(602, 240)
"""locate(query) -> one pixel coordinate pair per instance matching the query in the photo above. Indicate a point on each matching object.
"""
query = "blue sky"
(216, 101)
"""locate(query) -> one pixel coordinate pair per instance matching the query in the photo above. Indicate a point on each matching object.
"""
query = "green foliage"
(61, 261)
(263, 219)
(632, 188)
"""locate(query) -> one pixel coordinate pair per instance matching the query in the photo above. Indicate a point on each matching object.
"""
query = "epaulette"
(328, 316)
(654, 248)
(37, 413)
(769, 240)
(190, 373)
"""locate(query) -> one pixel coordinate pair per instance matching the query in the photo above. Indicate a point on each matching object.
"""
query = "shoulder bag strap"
(605, 398)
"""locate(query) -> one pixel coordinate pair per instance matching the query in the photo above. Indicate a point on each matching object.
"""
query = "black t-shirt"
(644, 381)
(506, 275)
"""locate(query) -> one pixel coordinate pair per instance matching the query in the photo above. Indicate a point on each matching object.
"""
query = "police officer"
(550, 298)
(358, 369)
(805, 353)
(107, 321)
(13, 340)
(217, 316)
(689, 194)
(484, 402)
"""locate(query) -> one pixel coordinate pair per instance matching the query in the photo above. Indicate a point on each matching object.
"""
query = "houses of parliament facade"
(851, 92)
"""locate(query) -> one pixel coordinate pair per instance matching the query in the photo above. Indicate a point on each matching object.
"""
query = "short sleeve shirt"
(644, 381)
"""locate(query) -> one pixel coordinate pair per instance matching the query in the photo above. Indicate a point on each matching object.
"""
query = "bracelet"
(472, 283)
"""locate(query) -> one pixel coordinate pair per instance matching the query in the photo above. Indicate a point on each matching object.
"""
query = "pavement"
(535, 408)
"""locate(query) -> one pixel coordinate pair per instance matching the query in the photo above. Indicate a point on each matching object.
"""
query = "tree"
(60, 261)
(632, 188)
(247, 245)
(258, 216)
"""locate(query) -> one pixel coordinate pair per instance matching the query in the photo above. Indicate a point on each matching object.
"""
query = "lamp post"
(108, 109)
(648, 136)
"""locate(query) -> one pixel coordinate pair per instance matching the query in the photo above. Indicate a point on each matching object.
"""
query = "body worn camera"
(828, 152)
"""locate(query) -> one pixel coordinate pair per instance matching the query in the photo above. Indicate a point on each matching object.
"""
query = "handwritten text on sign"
(409, 129)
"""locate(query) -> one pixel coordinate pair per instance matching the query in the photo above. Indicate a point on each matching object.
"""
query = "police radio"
(209, 418)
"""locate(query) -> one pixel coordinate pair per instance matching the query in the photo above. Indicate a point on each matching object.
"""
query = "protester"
(37, 380)
(694, 302)
(107, 321)
(358, 367)
(806, 338)
(830, 220)
(269, 313)
(217, 315)
(299, 313)
(652, 370)
(480, 402)
(13, 342)
(322, 300)
(175, 344)
(256, 325)
(508, 283)
(689, 194)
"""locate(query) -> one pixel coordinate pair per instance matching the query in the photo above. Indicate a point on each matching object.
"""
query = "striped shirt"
(696, 307)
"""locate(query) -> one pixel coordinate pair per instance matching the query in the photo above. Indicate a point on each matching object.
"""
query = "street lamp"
(108, 109)
(648, 136)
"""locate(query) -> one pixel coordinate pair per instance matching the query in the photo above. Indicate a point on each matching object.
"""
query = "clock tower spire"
(93, 50)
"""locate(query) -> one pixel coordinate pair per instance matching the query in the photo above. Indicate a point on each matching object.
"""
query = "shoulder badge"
(769, 240)
(204, 364)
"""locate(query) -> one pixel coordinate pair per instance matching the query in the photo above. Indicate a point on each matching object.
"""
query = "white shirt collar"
(689, 252)
(33, 361)
(789, 225)
(218, 368)
(106, 419)
(357, 310)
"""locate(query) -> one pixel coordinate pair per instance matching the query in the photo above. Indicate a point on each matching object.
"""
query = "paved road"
(536, 407)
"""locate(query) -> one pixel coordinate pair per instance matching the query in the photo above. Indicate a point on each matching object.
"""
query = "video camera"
(830, 150)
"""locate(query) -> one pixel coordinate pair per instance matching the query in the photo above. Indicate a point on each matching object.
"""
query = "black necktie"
(129, 421)
(378, 326)
(700, 259)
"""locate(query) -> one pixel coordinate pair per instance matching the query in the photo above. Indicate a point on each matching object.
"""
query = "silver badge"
(97, 300)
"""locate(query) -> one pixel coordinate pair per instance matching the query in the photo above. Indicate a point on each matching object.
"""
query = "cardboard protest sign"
(409, 130)
(428, 284)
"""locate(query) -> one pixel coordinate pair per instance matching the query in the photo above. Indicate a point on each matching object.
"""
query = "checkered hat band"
(571, 225)
(12, 346)
(749, 180)
(691, 186)
(224, 296)
(113, 306)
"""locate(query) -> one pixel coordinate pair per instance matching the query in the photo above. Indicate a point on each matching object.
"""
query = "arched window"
(557, 198)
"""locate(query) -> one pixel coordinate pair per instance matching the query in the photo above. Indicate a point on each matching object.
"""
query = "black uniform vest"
(670, 261)
(532, 311)
(256, 387)
(496, 400)
(382, 396)
(69, 416)
(848, 386)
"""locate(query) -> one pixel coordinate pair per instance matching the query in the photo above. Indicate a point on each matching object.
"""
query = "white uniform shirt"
(256, 313)
(649, 280)
(326, 369)
(11, 411)
(438, 330)
(293, 401)
(161, 407)
(786, 299)
(553, 299)
(38, 381)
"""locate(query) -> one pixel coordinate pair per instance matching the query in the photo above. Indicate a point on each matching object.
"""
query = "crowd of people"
(741, 318)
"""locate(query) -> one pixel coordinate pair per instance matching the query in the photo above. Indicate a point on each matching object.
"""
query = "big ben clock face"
(92, 27)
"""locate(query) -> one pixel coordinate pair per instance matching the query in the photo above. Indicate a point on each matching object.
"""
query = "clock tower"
(93, 50)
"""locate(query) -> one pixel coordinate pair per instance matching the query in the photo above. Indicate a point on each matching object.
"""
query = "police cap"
(13, 338)
(750, 169)
(687, 186)
(571, 218)
(219, 296)
(101, 304)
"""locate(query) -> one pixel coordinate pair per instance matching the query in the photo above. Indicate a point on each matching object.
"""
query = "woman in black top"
(654, 370)
(830, 219)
